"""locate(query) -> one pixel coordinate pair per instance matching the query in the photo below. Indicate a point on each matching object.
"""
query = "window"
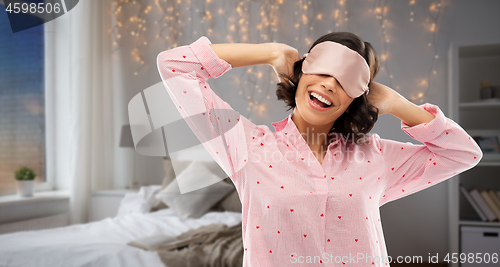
(22, 102)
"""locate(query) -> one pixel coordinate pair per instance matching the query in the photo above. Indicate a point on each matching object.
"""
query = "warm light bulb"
(304, 19)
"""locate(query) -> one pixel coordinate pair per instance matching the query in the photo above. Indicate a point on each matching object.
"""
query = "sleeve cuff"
(425, 132)
(214, 65)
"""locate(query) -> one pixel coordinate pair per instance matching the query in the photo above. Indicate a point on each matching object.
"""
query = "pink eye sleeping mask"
(346, 65)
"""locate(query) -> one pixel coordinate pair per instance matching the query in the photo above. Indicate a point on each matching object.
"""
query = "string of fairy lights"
(380, 11)
(434, 10)
(168, 20)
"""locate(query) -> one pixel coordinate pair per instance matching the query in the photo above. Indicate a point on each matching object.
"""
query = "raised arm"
(243, 54)
(223, 131)
(409, 113)
(447, 150)
(281, 57)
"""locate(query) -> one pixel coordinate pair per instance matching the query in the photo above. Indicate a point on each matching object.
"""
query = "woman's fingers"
(286, 56)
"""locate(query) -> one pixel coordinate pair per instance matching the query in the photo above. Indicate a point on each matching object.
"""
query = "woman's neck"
(316, 136)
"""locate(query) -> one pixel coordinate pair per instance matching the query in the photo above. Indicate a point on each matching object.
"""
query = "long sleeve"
(223, 131)
(447, 150)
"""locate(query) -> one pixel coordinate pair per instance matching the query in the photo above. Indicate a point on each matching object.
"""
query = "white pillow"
(195, 203)
(139, 202)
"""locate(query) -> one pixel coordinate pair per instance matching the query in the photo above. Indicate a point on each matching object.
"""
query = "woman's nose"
(329, 85)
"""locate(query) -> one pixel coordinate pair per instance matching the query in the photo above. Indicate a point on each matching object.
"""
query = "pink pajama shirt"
(297, 211)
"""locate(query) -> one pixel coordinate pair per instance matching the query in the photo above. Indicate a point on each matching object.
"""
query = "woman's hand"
(383, 97)
(285, 57)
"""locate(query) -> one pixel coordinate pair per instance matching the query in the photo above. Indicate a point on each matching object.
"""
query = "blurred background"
(65, 86)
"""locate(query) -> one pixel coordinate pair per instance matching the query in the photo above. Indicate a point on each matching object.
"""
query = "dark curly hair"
(361, 115)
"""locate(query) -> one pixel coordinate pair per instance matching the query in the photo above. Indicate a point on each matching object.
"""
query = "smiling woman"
(320, 99)
(351, 116)
(294, 201)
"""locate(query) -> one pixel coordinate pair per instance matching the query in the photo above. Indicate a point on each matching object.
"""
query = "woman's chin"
(313, 118)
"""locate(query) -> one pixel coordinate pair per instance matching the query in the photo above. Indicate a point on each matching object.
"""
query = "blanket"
(221, 247)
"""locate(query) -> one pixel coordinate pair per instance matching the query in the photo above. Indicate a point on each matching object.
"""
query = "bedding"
(222, 247)
(195, 203)
(140, 202)
(102, 243)
(179, 166)
(231, 202)
(168, 167)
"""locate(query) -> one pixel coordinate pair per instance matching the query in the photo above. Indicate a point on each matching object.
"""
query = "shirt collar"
(288, 128)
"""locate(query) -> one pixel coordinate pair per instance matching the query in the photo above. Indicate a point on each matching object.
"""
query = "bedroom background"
(103, 53)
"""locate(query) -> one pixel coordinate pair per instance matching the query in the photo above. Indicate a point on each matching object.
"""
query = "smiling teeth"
(320, 98)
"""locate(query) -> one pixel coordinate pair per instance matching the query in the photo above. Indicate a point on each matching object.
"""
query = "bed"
(104, 243)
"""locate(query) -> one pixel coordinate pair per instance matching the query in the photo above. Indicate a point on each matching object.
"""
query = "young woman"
(311, 190)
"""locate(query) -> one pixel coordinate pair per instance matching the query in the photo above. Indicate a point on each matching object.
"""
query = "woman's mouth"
(319, 103)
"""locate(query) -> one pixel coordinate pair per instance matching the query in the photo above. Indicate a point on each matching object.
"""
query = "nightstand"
(105, 203)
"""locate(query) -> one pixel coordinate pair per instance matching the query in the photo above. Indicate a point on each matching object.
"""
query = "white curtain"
(83, 103)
